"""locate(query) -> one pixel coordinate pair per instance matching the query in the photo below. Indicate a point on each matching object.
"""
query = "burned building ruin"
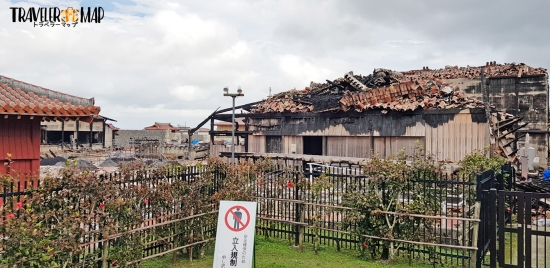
(450, 112)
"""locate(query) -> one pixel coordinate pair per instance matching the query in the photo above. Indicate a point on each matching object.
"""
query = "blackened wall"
(525, 96)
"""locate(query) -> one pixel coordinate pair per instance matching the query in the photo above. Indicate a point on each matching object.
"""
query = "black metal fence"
(516, 229)
(487, 230)
(289, 209)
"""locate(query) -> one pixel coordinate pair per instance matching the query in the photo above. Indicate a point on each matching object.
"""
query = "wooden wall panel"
(457, 138)
(256, 143)
(359, 147)
(289, 140)
(387, 146)
(20, 138)
(349, 146)
(336, 146)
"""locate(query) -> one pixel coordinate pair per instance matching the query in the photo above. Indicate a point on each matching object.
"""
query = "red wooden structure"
(21, 139)
(22, 107)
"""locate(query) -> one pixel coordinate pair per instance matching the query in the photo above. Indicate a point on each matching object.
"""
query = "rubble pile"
(297, 101)
(51, 161)
(108, 163)
(118, 160)
(387, 89)
(501, 129)
(492, 69)
(409, 96)
(285, 105)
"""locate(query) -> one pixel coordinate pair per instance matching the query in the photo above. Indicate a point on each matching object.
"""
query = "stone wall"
(123, 137)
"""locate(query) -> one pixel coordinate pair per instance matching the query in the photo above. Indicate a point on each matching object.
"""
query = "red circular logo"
(236, 215)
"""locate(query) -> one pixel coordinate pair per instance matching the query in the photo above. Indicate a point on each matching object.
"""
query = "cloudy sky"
(168, 61)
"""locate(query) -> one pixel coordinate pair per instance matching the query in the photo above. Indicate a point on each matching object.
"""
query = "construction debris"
(502, 129)
(492, 69)
(52, 161)
(285, 105)
(409, 96)
(108, 163)
(119, 160)
(386, 89)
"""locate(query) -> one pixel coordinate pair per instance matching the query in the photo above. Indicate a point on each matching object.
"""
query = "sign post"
(235, 234)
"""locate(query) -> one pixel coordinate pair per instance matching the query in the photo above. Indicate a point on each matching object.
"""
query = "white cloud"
(31, 35)
(149, 58)
(189, 93)
(301, 70)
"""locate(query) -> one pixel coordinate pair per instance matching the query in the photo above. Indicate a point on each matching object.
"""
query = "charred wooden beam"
(228, 117)
(512, 153)
(228, 133)
(191, 131)
(336, 85)
(514, 140)
(247, 106)
(512, 131)
(510, 123)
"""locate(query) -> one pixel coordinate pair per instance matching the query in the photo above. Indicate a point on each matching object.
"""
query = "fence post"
(479, 186)
(191, 239)
(500, 181)
(493, 227)
(105, 254)
(297, 208)
(475, 233)
(508, 174)
(302, 229)
(176, 241)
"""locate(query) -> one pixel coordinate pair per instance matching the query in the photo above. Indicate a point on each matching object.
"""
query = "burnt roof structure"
(390, 90)
(452, 109)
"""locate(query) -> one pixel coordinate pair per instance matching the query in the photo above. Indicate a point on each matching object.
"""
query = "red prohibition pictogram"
(235, 215)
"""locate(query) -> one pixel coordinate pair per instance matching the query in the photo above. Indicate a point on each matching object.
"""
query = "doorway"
(313, 145)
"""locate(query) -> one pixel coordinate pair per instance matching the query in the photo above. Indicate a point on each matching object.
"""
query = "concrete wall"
(122, 138)
(525, 96)
(108, 137)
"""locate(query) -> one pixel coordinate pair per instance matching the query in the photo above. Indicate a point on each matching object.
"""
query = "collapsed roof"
(389, 90)
(406, 91)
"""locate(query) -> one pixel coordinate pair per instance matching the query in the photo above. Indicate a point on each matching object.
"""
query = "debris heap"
(502, 128)
(492, 69)
(389, 90)
(285, 104)
(409, 96)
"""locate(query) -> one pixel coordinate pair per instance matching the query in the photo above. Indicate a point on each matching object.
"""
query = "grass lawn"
(276, 253)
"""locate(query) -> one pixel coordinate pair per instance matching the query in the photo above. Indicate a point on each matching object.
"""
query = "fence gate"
(523, 229)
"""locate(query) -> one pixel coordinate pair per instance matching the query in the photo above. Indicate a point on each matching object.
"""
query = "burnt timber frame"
(219, 115)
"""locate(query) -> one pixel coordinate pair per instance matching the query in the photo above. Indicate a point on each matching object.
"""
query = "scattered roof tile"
(402, 91)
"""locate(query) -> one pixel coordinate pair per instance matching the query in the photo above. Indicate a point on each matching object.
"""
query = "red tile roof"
(20, 98)
(113, 127)
(162, 126)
